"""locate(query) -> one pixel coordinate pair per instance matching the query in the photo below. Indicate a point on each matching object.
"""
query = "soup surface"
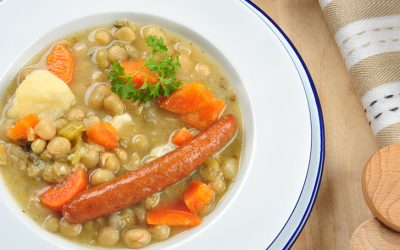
(102, 105)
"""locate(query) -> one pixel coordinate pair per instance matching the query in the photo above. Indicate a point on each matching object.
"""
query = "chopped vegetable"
(188, 98)
(21, 128)
(60, 194)
(204, 117)
(120, 121)
(3, 155)
(139, 72)
(136, 80)
(41, 93)
(31, 135)
(172, 215)
(60, 63)
(197, 196)
(195, 104)
(71, 130)
(103, 134)
(77, 150)
(182, 137)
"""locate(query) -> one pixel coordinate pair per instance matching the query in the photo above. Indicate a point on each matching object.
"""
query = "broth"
(146, 136)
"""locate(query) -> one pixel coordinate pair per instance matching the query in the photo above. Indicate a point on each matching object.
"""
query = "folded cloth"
(368, 35)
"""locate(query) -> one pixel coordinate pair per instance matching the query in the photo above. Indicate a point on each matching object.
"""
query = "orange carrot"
(20, 130)
(139, 72)
(204, 117)
(172, 215)
(188, 98)
(60, 194)
(60, 63)
(182, 137)
(103, 134)
(197, 196)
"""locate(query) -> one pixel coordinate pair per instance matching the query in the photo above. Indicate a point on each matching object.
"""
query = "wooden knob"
(381, 185)
(372, 235)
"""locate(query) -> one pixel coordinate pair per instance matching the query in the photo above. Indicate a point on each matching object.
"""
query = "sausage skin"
(156, 175)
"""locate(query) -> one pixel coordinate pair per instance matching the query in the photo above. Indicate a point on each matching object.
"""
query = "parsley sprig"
(159, 62)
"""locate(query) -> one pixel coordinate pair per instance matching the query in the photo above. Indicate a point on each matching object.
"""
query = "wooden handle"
(372, 235)
(381, 185)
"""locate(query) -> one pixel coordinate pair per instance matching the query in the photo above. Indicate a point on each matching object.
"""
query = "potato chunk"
(41, 93)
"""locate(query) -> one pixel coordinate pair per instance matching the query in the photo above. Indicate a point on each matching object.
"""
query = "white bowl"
(281, 165)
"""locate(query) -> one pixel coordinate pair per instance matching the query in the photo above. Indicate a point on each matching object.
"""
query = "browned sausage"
(128, 189)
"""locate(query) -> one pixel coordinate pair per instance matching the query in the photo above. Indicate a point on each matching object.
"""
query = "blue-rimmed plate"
(284, 140)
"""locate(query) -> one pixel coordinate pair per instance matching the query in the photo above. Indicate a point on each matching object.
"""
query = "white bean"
(136, 237)
(46, 129)
(108, 236)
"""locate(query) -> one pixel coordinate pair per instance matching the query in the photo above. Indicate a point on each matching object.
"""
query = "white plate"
(284, 138)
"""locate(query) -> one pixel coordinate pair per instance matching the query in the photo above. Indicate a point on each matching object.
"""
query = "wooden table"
(340, 207)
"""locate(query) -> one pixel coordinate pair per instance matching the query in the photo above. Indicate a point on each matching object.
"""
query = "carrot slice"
(60, 194)
(182, 137)
(20, 130)
(60, 63)
(172, 215)
(103, 134)
(188, 98)
(204, 117)
(197, 196)
(139, 72)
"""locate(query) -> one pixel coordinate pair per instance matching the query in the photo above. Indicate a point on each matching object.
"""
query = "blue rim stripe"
(310, 206)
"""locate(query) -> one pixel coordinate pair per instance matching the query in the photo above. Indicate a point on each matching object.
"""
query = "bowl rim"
(257, 10)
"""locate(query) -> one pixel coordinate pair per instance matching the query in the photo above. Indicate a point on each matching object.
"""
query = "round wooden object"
(372, 235)
(381, 185)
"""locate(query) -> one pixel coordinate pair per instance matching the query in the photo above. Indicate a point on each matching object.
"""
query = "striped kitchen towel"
(368, 35)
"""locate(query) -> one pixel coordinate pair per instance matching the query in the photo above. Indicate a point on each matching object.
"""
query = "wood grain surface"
(372, 235)
(381, 185)
(340, 207)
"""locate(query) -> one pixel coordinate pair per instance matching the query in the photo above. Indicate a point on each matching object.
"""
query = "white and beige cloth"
(368, 35)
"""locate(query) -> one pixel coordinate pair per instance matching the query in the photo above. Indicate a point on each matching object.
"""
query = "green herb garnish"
(159, 62)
